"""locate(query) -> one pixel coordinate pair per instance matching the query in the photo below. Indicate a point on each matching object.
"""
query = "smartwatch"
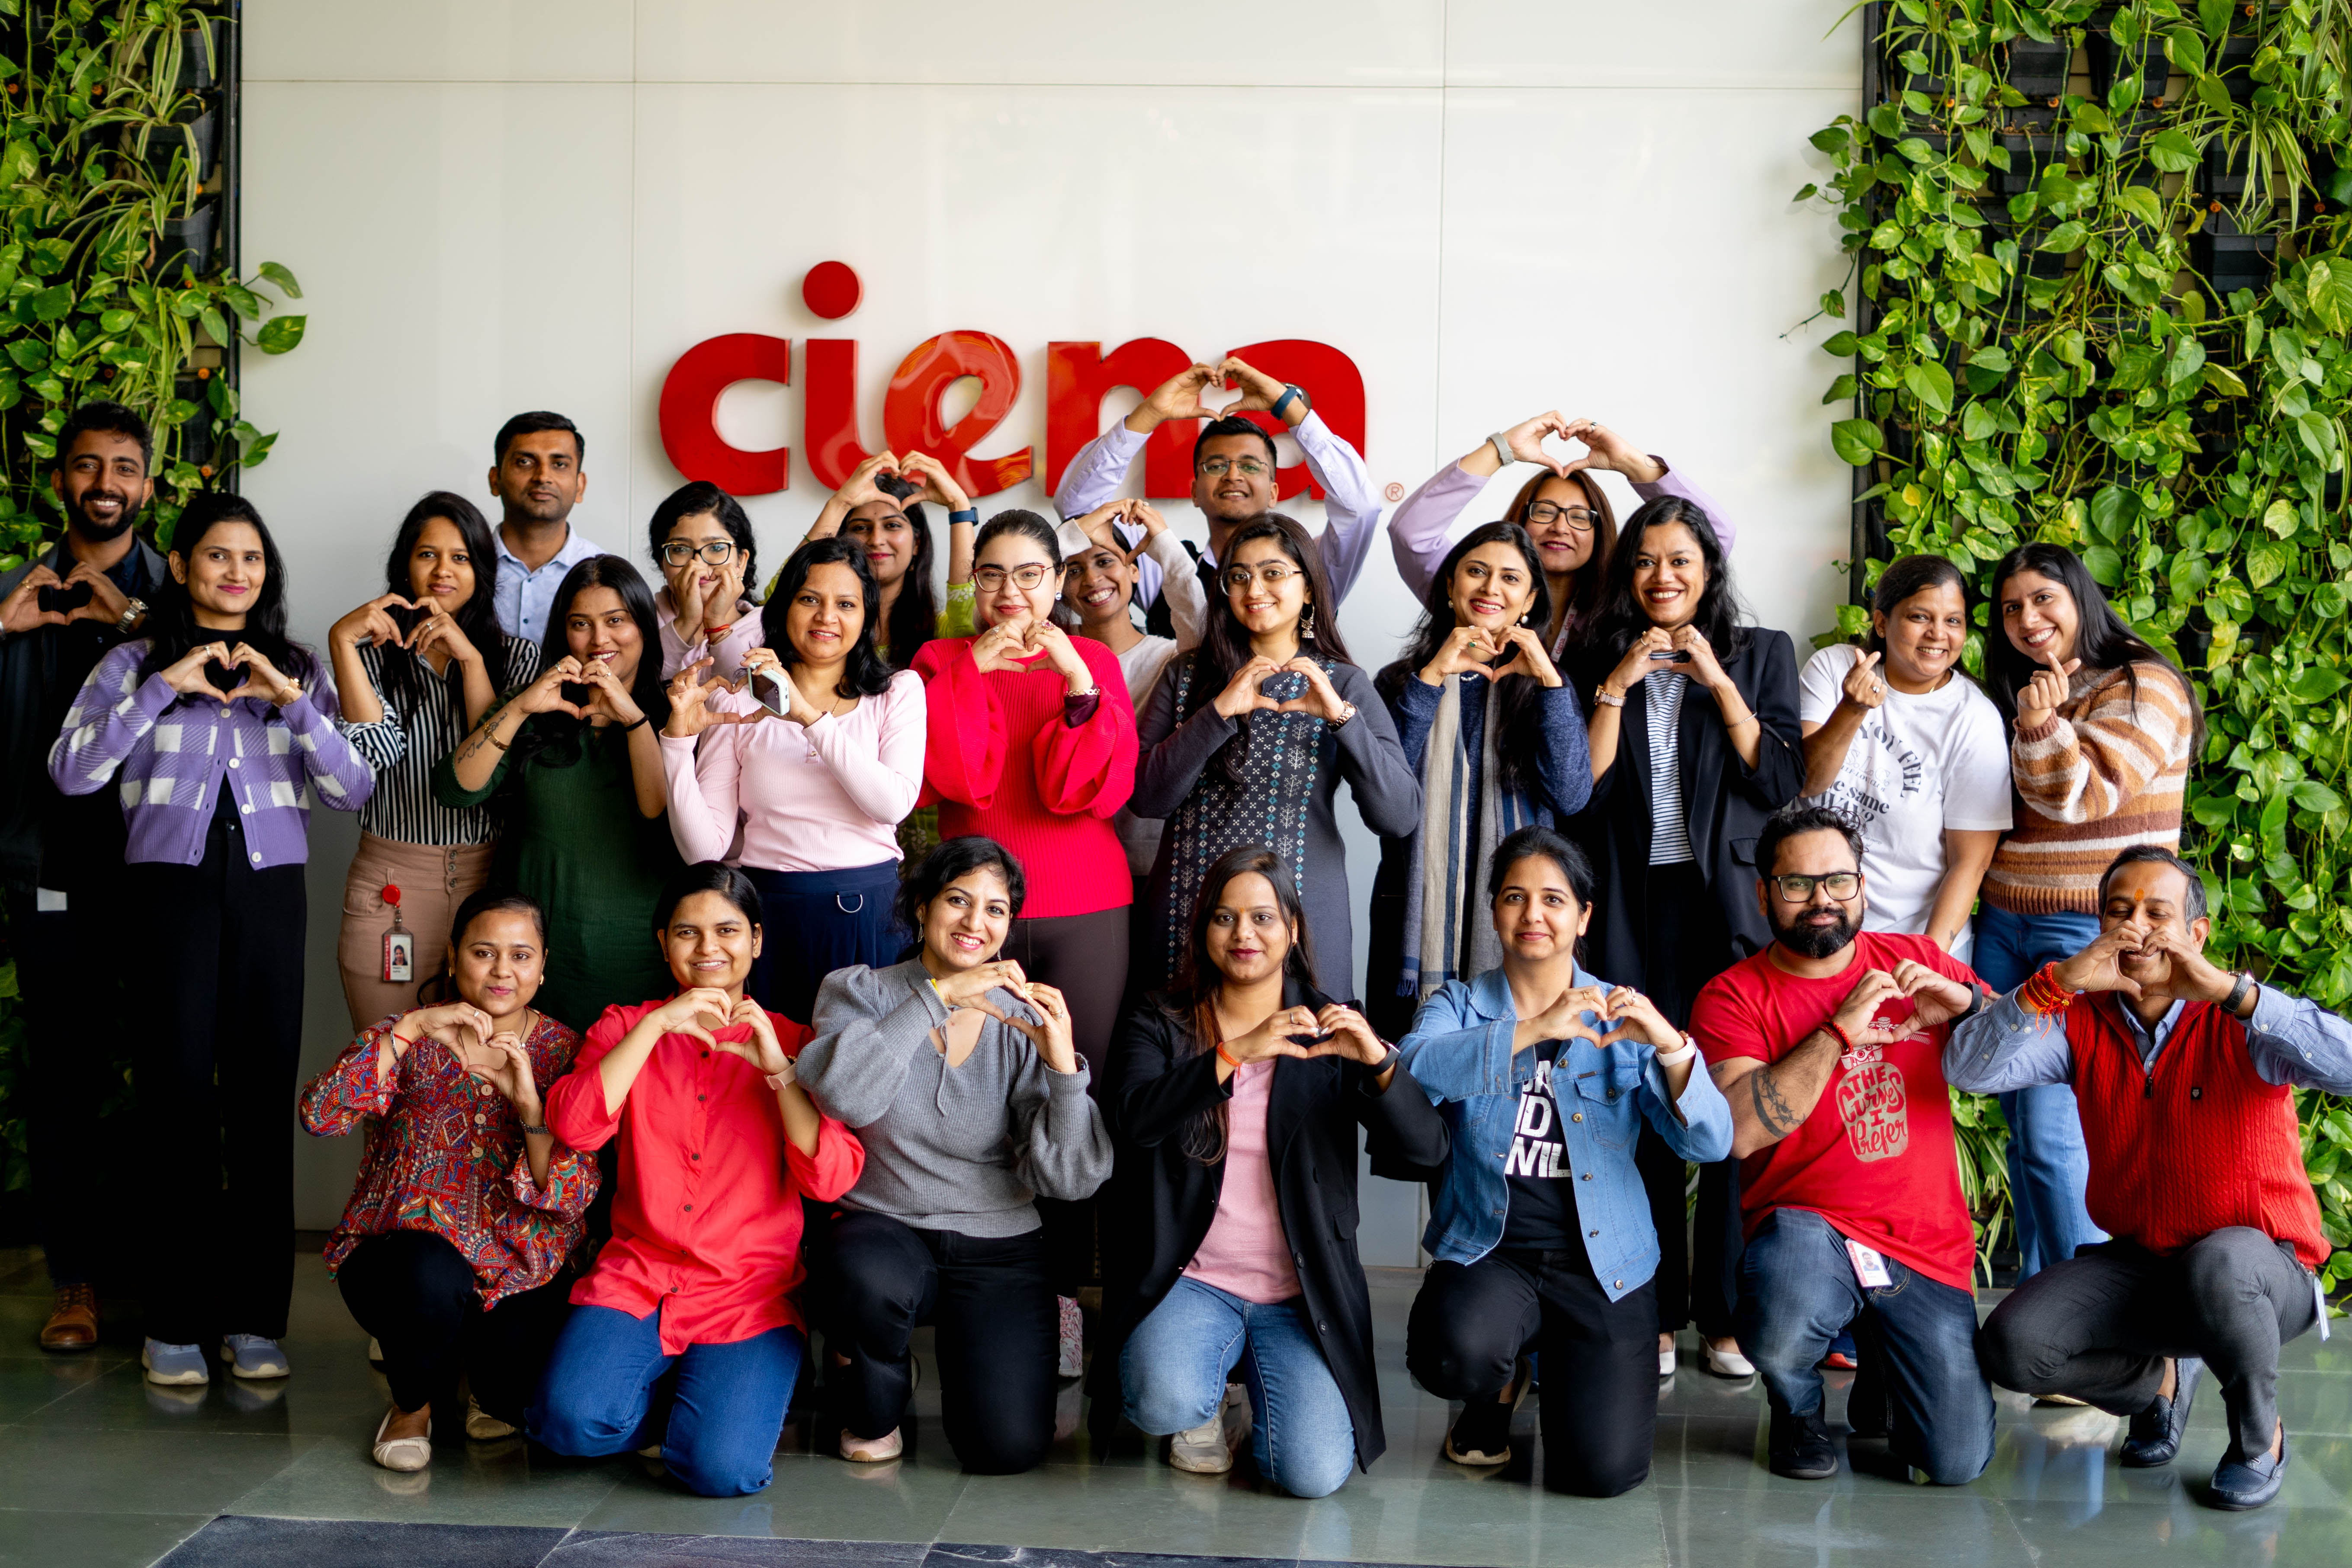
(1289, 396)
(969, 514)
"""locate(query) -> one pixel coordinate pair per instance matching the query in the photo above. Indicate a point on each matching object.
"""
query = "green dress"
(572, 837)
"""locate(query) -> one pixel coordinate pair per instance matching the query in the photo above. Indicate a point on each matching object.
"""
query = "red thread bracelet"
(1845, 1040)
(1227, 1057)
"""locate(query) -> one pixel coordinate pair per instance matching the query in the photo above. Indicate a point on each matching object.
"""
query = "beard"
(99, 530)
(1810, 940)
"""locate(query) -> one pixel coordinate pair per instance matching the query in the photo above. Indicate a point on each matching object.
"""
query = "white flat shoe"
(403, 1454)
(1666, 1363)
(872, 1450)
(1727, 1364)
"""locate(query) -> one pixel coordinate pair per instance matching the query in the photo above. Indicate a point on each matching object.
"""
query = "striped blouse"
(1661, 692)
(403, 746)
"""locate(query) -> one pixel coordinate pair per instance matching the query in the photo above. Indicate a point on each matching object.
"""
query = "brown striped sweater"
(2103, 773)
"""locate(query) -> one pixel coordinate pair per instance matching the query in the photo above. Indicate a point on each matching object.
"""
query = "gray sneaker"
(251, 1355)
(174, 1364)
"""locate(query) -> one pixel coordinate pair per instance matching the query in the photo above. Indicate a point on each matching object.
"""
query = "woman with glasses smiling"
(702, 542)
(1563, 509)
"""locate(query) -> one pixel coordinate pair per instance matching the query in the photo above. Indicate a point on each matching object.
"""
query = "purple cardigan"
(1417, 528)
(174, 761)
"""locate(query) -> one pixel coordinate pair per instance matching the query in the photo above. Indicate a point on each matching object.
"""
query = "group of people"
(745, 975)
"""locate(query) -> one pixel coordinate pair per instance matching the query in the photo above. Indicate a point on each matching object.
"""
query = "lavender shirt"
(1417, 532)
(176, 761)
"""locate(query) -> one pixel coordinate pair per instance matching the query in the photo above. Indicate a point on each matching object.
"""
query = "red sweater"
(1000, 761)
(2199, 1144)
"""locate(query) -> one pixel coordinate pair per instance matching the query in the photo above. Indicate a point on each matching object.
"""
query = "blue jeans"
(721, 1436)
(2048, 1164)
(1174, 1369)
(1796, 1289)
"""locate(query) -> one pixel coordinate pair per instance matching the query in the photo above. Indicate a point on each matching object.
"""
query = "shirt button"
(224, 712)
(702, 1097)
(257, 857)
(1586, 1176)
(689, 1208)
(479, 1119)
(244, 811)
(706, 1056)
(234, 760)
(1575, 1116)
(694, 1156)
(1617, 1284)
(1592, 1233)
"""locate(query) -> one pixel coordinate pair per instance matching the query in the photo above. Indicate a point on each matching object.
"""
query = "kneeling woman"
(467, 1209)
(1540, 1232)
(718, 1146)
(1245, 1180)
(969, 1112)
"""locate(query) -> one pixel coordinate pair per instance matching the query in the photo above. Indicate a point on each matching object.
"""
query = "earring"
(1307, 623)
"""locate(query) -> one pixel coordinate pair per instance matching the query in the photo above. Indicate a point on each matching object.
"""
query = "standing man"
(61, 856)
(1233, 475)
(1828, 1044)
(2185, 1074)
(539, 476)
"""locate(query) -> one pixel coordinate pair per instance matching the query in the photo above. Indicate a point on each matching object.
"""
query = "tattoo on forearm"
(1717, 1071)
(1771, 1111)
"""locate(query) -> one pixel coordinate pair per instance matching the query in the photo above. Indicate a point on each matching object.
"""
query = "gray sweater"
(964, 1148)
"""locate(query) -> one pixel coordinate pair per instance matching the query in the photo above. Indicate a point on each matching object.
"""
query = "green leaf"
(1978, 422)
(2104, 564)
(2328, 288)
(1856, 440)
(2187, 359)
(2141, 202)
(2317, 684)
(2280, 519)
(2318, 433)
(52, 304)
(1840, 389)
(293, 290)
(116, 320)
(2266, 564)
(1841, 345)
(2312, 795)
(2172, 152)
(2186, 50)
(1990, 358)
(2067, 237)
(2221, 378)
(279, 336)
(215, 325)
(1931, 383)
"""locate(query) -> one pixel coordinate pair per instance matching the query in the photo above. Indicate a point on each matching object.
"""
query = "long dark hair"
(1225, 642)
(700, 498)
(915, 617)
(556, 736)
(172, 628)
(477, 617)
(1193, 1000)
(865, 673)
(1622, 619)
(1586, 582)
(1520, 711)
(2102, 641)
(922, 881)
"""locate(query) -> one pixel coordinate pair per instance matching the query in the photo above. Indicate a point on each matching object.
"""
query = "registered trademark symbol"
(1396, 491)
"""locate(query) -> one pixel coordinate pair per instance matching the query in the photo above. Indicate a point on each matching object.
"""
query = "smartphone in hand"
(768, 690)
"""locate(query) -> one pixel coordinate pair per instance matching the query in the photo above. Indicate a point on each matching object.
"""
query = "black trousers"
(1683, 947)
(218, 947)
(1472, 1321)
(417, 1295)
(2099, 1326)
(996, 1330)
(66, 1068)
(1085, 957)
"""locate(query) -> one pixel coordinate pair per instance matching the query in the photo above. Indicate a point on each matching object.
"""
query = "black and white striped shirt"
(1662, 693)
(402, 747)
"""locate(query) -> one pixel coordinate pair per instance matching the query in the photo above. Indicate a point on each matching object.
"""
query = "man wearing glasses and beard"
(1828, 1044)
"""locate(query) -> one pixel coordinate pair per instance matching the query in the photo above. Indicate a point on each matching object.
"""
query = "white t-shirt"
(1918, 765)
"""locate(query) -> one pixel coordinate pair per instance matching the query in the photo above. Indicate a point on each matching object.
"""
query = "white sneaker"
(173, 1364)
(403, 1453)
(1202, 1451)
(872, 1450)
(481, 1425)
(1726, 1363)
(1666, 1363)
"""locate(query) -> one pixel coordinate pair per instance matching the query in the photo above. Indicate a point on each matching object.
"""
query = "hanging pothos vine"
(2101, 286)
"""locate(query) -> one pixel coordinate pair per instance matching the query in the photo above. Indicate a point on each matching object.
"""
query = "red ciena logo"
(1078, 376)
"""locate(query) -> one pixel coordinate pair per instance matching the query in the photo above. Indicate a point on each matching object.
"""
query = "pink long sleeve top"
(824, 798)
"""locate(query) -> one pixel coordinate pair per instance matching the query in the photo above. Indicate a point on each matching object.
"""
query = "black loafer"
(1801, 1450)
(2154, 1435)
(2241, 1484)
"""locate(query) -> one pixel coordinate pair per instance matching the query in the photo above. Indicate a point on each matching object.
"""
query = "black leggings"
(996, 1332)
(1472, 1321)
(1085, 957)
(418, 1296)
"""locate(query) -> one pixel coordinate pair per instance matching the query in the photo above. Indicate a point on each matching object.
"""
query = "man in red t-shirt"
(1828, 1044)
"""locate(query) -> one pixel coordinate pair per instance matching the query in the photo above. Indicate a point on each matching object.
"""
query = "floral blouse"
(447, 1157)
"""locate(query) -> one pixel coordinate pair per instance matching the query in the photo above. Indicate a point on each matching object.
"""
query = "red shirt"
(999, 760)
(1875, 1157)
(707, 1214)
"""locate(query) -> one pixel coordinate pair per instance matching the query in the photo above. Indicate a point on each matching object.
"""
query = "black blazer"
(1167, 1198)
(1725, 801)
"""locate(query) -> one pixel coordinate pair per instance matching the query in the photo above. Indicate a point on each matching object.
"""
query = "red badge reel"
(399, 943)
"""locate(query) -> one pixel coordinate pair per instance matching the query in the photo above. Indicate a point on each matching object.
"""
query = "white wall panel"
(439, 40)
(1774, 44)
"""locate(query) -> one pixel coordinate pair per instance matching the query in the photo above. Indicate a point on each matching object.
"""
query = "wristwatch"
(133, 612)
(2237, 994)
(1502, 448)
(1601, 698)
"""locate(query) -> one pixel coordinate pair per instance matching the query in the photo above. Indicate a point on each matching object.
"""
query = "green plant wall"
(2101, 290)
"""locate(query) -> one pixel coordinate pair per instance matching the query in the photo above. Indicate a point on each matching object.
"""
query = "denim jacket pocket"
(1605, 1105)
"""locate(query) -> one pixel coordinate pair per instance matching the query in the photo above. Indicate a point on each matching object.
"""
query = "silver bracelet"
(1502, 448)
(534, 1132)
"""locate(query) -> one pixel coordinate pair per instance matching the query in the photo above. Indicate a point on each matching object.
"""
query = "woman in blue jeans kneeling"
(1237, 1097)
(1541, 1231)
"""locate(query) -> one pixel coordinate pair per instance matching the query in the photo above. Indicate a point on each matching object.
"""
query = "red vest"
(2199, 1145)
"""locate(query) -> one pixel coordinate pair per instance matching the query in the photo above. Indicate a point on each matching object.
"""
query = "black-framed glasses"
(1579, 520)
(1248, 468)
(989, 579)
(714, 553)
(1273, 575)
(1838, 885)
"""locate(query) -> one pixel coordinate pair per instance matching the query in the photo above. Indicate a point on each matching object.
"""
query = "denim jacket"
(1460, 1052)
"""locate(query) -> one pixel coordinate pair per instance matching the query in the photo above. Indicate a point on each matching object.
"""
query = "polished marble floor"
(98, 1467)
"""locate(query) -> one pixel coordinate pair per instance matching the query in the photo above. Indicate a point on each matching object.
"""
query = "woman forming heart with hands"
(191, 675)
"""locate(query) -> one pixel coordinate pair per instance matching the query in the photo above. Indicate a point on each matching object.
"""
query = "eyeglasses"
(1218, 467)
(716, 553)
(1839, 885)
(1579, 519)
(1273, 575)
(989, 579)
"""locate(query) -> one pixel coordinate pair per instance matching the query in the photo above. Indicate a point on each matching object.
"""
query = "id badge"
(1868, 1266)
(399, 943)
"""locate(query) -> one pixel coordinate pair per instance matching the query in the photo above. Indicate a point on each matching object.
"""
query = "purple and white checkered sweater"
(176, 761)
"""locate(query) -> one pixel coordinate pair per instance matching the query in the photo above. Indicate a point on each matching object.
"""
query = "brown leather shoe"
(73, 1320)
